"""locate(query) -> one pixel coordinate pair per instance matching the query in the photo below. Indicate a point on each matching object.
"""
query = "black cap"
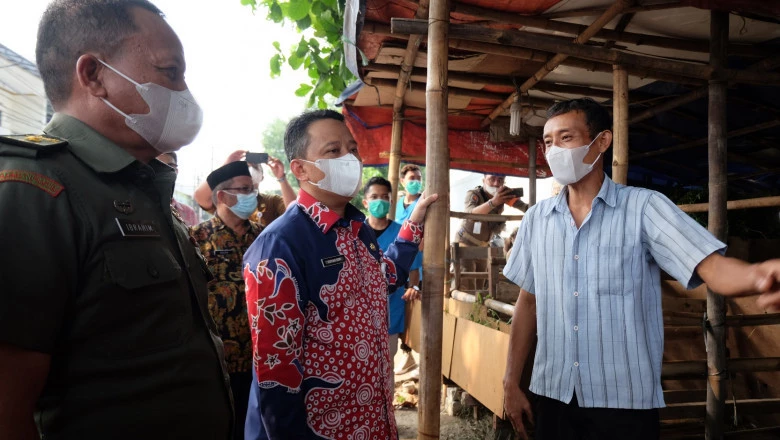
(227, 172)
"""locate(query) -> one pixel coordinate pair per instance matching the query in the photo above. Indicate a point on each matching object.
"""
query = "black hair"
(408, 168)
(70, 28)
(377, 180)
(296, 136)
(596, 117)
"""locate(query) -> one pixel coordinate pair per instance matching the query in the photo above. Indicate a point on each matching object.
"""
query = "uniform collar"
(94, 149)
(607, 193)
(325, 219)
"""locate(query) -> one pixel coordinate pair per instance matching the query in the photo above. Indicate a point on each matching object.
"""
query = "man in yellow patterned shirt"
(223, 240)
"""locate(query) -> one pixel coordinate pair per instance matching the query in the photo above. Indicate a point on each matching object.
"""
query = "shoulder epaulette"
(33, 145)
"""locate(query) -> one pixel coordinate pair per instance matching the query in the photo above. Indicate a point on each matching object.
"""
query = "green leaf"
(297, 9)
(275, 13)
(304, 23)
(295, 61)
(277, 46)
(303, 90)
(322, 66)
(249, 3)
(276, 62)
(302, 49)
(313, 42)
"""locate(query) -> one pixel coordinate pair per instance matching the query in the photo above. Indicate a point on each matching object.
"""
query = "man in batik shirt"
(223, 240)
(317, 287)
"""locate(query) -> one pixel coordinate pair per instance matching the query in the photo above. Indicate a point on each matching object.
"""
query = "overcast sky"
(227, 48)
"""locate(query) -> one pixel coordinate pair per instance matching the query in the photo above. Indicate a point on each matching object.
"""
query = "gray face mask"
(566, 163)
(174, 118)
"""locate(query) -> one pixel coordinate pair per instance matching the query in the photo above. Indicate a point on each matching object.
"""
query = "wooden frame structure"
(557, 54)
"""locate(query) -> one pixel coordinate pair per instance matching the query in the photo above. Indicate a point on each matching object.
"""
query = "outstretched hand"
(235, 156)
(418, 215)
(768, 284)
(276, 166)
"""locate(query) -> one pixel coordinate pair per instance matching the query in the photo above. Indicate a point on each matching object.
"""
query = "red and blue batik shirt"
(316, 289)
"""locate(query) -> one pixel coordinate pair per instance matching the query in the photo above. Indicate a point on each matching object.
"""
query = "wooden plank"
(413, 325)
(697, 410)
(692, 305)
(479, 362)
(684, 396)
(447, 341)
(472, 253)
(485, 217)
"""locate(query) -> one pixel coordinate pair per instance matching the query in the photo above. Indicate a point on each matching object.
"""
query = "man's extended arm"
(22, 377)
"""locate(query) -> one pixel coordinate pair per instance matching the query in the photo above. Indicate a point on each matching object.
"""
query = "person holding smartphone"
(488, 198)
(269, 206)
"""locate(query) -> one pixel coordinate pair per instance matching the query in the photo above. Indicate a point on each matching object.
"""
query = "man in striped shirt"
(588, 263)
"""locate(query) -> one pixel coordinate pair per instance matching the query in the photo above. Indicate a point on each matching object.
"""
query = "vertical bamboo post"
(620, 124)
(395, 160)
(717, 224)
(531, 170)
(437, 159)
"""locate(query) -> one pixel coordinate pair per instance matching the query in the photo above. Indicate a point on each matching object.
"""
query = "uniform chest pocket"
(612, 270)
(143, 307)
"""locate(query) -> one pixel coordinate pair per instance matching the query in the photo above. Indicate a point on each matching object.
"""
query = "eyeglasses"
(241, 189)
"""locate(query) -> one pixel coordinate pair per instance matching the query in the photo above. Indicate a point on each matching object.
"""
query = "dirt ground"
(462, 426)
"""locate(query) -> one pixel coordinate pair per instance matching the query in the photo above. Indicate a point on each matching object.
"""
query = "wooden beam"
(394, 162)
(418, 75)
(556, 60)
(620, 28)
(618, 34)
(585, 12)
(467, 93)
(485, 217)
(534, 41)
(697, 410)
(437, 182)
(703, 141)
(760, 202)
(459, 161)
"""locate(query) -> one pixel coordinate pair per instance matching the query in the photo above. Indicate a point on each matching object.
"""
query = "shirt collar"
(325, 219)
(607, 193)
(95, 150)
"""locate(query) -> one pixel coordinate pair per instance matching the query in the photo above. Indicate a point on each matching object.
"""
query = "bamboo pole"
(485, 217)
(543, 43)
(396, 140)
(555, 61)
(584, 12)
(498, 306)
(394, 164)
(437, 181)
(531, 171)
(620, 125)
(717, 224)
(760, 202)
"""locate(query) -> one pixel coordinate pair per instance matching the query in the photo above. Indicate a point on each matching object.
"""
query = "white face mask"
(492, 190)
(566, 163)
(342, 175)
(174, 118)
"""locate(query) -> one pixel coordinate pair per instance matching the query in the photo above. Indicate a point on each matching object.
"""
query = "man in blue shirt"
(376, 199)
(316, 288)
(588, 262)
(411, 179)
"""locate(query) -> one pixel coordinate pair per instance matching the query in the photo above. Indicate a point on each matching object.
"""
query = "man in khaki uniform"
(104, 326)
(488, 198)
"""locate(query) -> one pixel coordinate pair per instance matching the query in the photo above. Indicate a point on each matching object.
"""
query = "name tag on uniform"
(332, 261)
(477, 227)
(224, 251)
(137, 228)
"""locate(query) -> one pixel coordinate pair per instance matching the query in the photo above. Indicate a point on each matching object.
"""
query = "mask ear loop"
(123, 76)
(591, 144)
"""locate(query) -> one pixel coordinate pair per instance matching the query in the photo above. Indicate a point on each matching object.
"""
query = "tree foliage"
(321, 54)
(273, 144)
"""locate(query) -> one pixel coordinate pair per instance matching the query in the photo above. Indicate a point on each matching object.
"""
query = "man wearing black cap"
(223, 240)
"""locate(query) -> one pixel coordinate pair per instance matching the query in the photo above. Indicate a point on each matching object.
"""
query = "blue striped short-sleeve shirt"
(598, 292)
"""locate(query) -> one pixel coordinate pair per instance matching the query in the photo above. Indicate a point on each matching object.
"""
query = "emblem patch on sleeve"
(45, 183)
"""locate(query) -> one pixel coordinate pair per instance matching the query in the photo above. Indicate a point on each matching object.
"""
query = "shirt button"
(152, 271)
(576, 327)
(576, 364)
(576, 257)
(576, 293)
(572, 222)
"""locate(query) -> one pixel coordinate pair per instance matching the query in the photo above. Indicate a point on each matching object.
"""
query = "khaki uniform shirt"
(269, 208)
(486, 230)
(97, 273)
(224, 252)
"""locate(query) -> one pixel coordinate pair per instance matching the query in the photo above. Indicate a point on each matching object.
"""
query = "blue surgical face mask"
(245, 204)
(413, 187)
(379, 208)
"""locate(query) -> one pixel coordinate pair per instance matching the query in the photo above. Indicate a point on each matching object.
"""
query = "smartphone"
(517, 192)
(257, 158)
